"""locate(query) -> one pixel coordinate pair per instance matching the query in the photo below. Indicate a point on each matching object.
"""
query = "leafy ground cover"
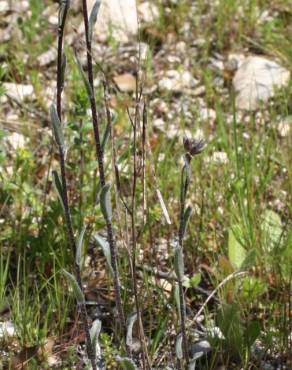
(237, 247)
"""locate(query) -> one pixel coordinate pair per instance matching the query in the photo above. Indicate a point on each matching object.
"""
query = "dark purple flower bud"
(193, 146)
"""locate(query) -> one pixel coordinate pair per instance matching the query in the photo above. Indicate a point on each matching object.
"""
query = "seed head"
(193, 146)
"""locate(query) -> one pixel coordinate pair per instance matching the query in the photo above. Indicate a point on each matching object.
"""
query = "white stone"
(255, 81)
(117, 19)
(207, 114)
(148, 12)
(18, 92)
(177, 81)
(4, 6)
(219, 157)
(7, 329)
(284, 126)
(16, 140)
(47, 57)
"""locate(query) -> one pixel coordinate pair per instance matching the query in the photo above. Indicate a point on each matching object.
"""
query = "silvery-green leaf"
(92, 18)
(179, 263)
(64, 6)
(178, 347)
(76, 289)
(105, 248)
(94, 334)
(176, 297)
(84, 79)
(63, 68)
(105, 202)
(105, 137)
(59, 188)
(130, 322)
(193, 361)
(79, 246)
(57, 128)
(186, 218)
(126, 363)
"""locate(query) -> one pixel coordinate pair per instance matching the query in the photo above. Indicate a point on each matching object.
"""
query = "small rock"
(16, 140)
(207, 114)
(47, 58)
(148, 12)
(218, 158)
(285, 126)
(7, 329)
(200, 90)
(18, 92)
(116, 19)
(177, 81)
(255, 81)
(126, 82)
(4, 7)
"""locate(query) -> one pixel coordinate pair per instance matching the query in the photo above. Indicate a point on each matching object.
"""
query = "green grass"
(235, 196)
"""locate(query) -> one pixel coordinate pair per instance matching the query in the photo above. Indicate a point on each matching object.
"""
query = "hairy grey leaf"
(59, 188)
(105, 248)
(94, 334)
(105, 202)
(84, 79)
(130, 323)
(178, 347)
(79, 246)
(179, 263)
(57, 128)
(76, 289)
(93, 18)
(186, 218)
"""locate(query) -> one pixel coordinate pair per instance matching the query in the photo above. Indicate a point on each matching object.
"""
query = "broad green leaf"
(105, 248)
(186, 218)
(59, 188)
(179, 263)
(272, 229)
(105, 202)
(79, 246)
(130, 323)
(76, 289)
(92, 19)
(126, 363)
(94, 334)
(178, 347)
(57, 128)
(84, 79)
(236, 252)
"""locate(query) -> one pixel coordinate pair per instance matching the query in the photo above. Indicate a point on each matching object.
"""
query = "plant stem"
(99, 156)
(182, 305)
(67, 214)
